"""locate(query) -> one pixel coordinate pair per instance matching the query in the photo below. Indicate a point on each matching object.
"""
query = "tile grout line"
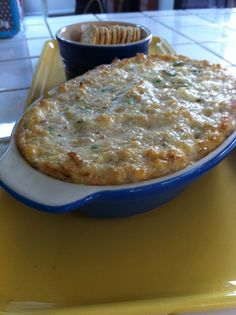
(153, 19)
(166, 15)
(97, 17)
(3, 90)
(48, 27)
(21, 58)
(218, 55)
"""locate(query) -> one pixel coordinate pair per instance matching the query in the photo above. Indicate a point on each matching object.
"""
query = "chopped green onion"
(94, 146)
(199, 100)
(178, 64)
(107, 89)
(170, 73)
(178, 85)
(195, 71)
(130, 101)
(157, 80)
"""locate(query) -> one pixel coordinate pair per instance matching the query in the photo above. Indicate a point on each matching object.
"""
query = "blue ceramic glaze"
(10, 18)
(79, 58)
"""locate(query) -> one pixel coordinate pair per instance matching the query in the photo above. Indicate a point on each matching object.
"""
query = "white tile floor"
(226, 50)
(166, 13)
(182, 21)
(226, 19)
(11, 50)
(70, 19)
(197, 52)
(205, 34)
(54, 24)
(211, 33)
(34, 63)
(168, 34)
(124, 15)
(213, 10)
(33, 20)
(11, 105)
(217, 17)
(16, 74)
(155, 27)
(32, 31)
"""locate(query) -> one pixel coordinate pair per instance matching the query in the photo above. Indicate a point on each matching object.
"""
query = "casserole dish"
(51, 195)
(48, 194)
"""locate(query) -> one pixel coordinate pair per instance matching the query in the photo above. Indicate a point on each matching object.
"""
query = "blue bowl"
(79, 57)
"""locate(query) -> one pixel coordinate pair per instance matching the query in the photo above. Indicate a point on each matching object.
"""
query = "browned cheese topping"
(133, 120)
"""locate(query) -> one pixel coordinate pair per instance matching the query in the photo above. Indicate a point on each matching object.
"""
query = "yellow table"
(179, 257)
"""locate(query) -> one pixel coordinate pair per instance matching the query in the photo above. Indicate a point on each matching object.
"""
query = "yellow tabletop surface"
(179, 257)
(184, 251)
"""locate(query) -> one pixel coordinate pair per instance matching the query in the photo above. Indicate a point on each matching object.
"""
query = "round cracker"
(98, 38)
(118, 33)
(138, 34)
(105, 30)
(123, 34)
(96, 34)
(101, 35)
(134, 34)
(113, 34)
(90, 35)
(130, 31)
(108, 35)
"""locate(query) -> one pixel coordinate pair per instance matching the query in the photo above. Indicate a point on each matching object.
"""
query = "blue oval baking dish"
(48, 194)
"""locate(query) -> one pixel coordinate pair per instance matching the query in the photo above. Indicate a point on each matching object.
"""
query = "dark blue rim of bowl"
(184, 178)
(147, 38)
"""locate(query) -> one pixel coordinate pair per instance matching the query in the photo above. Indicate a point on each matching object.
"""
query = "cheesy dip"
(133, 120)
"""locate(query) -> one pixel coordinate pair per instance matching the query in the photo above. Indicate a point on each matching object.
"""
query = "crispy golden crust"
(133, 120)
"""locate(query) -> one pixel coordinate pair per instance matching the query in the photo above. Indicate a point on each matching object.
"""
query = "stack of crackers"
(110, 34)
